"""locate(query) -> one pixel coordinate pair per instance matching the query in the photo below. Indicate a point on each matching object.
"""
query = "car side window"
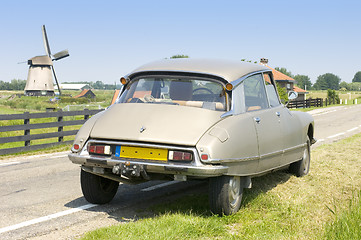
(271, 91)
(255, 93)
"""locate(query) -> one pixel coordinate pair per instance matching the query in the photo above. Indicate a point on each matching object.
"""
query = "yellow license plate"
(142, 153)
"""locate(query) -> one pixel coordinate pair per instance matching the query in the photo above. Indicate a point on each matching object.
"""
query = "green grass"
(347, 224)
(279, 206)
(9, 100)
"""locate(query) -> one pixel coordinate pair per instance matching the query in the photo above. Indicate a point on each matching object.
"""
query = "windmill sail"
(46, 42)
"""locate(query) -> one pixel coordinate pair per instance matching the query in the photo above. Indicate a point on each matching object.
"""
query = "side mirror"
(292, 95)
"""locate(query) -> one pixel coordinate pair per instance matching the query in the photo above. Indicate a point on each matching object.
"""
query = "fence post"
(86, 114)
(26, 131)
(60, 128)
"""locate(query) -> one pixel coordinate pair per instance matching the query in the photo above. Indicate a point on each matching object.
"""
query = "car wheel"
(302, 167)
(96, 189)
(225, 194)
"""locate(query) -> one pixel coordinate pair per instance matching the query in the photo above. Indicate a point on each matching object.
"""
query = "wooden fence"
(317, 102)
(26, 137)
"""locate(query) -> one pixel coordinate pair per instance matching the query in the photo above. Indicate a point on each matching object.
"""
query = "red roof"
(299, 90)
(278, 76)
(85, 92)
(115, 96)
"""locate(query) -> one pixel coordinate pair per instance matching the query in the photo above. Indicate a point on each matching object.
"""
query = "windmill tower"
(41, 71)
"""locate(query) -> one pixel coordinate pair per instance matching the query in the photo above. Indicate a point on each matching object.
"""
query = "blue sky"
(108, 39)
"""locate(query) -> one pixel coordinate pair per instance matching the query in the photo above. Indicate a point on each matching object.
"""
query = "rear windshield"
(176, 91)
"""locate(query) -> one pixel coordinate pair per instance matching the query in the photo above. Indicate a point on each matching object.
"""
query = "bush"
(332, 96)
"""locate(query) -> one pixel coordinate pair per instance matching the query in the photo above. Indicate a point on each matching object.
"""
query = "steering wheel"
(201, 89)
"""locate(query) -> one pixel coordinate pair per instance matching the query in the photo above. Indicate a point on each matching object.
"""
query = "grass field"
(322, 205)
(349, 96)
(10, 103)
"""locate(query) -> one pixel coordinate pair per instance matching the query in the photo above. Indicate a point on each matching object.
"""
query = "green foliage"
(327, 81)
(15, 84)
(354, 86)
(179, 56)
(332, 95)
(347, 224)
(284, 71)
(282, 93)
(303, 81)
(357, 77)
(70, 100)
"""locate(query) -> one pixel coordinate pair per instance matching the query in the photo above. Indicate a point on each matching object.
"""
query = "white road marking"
(352, 129)
(159, 186)
(336, 135)
(46, 218)
(320, 140)
(322, 113)
(59, 156)
(9, 164)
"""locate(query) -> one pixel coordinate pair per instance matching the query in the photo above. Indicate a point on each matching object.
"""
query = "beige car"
(183, 119)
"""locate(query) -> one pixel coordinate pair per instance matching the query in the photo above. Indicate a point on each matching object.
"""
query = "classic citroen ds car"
(181, 119)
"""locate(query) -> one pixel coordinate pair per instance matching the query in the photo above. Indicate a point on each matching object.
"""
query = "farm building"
(73, 86)
(285, 81)
(86, 93)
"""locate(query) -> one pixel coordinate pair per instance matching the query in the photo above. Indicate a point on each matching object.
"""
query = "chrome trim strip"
(195, 162)
(234, 160)
(235, 83)
(294, 148)
(231, 160)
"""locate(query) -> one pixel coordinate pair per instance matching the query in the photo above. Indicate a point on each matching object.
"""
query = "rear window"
(176, 91)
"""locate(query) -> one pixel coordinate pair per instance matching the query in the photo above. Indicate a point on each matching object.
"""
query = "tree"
(327, 81)
(357, 77)
(284, 71)
(344, 85)
(179, 56)
(303, 81)
(332, 96)
(282, 93)
(15, 84)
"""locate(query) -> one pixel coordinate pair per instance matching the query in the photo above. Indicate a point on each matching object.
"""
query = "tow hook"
(130, 170)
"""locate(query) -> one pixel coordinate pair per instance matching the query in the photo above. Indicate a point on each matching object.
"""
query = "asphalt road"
(41, 198)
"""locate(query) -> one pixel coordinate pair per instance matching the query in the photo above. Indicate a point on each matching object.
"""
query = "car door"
(290, 125)
(266, 121)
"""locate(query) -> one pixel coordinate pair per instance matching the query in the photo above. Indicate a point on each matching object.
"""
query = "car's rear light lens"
(180, 156)
(204, 156)
(100, 149)
(76, 146)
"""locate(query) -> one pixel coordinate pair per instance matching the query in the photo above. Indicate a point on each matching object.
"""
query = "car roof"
(227, 69)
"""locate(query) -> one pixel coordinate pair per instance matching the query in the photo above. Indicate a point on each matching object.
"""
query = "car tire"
(97, 189)
(225, 194)
(302, 167)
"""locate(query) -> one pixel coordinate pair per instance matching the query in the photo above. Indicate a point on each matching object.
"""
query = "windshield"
(176, 91)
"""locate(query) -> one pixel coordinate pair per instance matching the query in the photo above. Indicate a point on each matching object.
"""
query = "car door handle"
(257, 119)
(278, 114)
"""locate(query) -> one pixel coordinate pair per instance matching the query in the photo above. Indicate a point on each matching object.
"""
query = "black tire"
(302, 167)
(225, 194)
(96, 189)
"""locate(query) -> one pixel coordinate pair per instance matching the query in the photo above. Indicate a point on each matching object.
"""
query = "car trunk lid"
(155, 123)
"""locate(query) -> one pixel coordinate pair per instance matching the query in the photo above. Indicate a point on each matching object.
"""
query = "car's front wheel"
(225, 194)
(302, 167)
(96, 189)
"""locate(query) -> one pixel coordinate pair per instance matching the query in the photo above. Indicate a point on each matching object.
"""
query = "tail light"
(180, 156)
(99, 149)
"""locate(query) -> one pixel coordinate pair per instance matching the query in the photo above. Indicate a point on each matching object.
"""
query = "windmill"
(41, 71)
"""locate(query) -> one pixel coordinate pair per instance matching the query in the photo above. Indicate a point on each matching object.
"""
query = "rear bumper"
(151, 167)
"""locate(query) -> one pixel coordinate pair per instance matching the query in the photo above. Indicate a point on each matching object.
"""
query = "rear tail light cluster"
(180, 156)
(99, 149)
